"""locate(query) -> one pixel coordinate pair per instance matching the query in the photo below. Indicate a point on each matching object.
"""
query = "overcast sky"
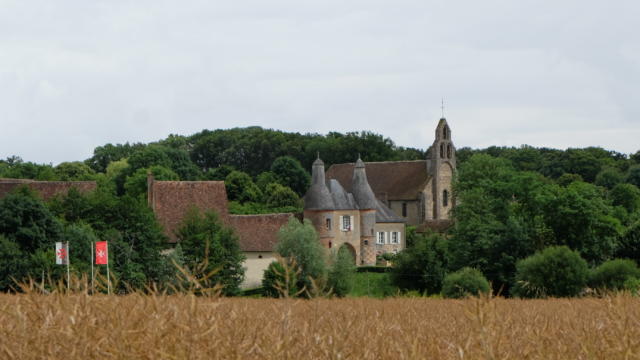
(79, 74)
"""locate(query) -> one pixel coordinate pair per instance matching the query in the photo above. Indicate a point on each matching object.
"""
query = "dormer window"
(444, 132)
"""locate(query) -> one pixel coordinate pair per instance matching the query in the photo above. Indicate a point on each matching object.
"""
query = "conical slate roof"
(318, 196)
(360, 188)
(342, 200)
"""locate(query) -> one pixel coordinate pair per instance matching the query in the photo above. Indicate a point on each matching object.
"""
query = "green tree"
(423, 266)
(566, 179)
(204, 239)
(277, 196)
(265, 179)
(218, 174)
(241, 188)
(13, 263)
(136, 184)
(76, 170)
(299, 241)
(633, 175)
(627, 196)
(612, 274)
(290, 173)
(342, 272)
(280, 279)
(104, 155)
(149, 156)
(25, 220)
(556, 271)
(609, 177)
(464, 283)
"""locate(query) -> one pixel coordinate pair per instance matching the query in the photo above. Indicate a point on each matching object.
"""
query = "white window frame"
(380, 241)
(395, 237)
(349, 225)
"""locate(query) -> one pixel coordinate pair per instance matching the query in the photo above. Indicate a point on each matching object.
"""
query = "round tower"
(318, 203)
(367, 204)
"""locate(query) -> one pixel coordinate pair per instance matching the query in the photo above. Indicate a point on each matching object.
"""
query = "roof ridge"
(381, 162)
(261, 215)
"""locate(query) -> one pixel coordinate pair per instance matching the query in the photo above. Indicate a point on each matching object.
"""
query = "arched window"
(445, 198)
(442, 151)
(449, 151)
(444, 132)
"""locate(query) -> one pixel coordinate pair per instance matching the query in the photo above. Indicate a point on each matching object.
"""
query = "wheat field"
(138, 326)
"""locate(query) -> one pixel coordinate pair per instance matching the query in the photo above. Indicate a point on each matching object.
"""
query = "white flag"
(62, 254)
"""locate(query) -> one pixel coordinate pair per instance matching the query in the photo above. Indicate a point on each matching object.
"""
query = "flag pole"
(92, 287)
(108, 278)
(68, 264)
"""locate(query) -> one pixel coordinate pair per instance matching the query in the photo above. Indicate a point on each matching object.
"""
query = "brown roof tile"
(46, 189)
(170, 201)
(258, 232)
(393, 180)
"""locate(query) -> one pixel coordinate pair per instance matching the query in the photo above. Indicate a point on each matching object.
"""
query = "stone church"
(365, 206)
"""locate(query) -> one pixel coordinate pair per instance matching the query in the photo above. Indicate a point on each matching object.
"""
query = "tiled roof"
(394, 180)
(46, 189)
(258, 232)
(171, 200)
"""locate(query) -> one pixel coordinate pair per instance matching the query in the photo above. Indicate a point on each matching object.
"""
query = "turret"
(360, 187)
(318, 196)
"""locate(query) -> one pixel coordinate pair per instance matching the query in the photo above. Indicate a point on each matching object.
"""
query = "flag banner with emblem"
(62, 254)
(102, 253)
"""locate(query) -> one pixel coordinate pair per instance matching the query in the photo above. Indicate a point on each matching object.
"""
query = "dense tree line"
(513, 203)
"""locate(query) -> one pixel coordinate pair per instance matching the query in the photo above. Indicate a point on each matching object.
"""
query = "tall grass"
(184, 326)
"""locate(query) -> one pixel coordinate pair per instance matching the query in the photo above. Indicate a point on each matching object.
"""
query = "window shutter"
(351, 223)
(341, 223)
(399, 237)
(388, 237)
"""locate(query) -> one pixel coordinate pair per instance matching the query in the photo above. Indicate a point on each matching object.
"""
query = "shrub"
(280, 279)
(613, 274)
(423, 266)
(342, 272)
(213, 248)
(556, 271)
(299, 241)
(463, 283)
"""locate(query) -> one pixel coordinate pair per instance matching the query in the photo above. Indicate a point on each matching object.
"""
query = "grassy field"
(372, 284)
(187, 327)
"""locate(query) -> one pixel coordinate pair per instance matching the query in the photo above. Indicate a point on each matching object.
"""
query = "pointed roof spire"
(318, 196)
(360, 187)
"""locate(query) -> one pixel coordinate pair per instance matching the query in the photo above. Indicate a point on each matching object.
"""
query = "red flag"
(102, 253)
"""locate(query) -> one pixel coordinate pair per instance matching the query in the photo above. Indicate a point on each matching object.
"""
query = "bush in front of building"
(612, 275)
(464, 283)
(556, 271)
